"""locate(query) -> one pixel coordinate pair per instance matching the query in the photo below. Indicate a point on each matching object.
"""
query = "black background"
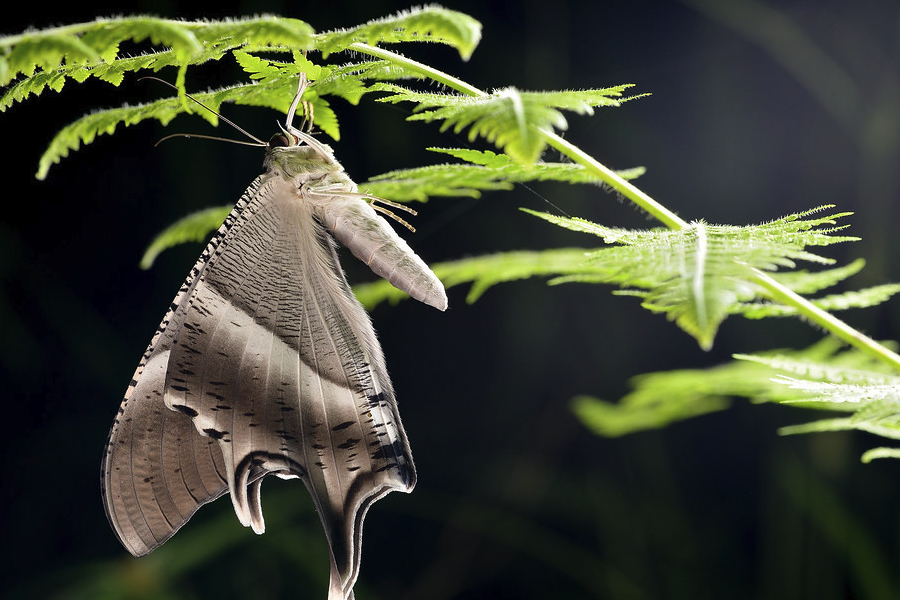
(757, 111)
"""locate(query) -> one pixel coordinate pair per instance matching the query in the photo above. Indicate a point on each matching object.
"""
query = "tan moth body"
(267, 363)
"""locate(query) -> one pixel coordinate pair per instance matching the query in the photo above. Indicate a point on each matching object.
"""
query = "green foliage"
(659, 399)
(47, 58)
(826, 376)
(431, 24)
(510, 119)
(484, 272)
(194, 227)
(696, 274)
(485, 170)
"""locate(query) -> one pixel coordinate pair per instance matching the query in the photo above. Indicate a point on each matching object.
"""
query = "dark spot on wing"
(350, 443)
(215, 433)
(186, 410)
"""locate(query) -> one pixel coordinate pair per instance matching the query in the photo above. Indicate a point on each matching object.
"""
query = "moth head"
(294, 152)
(291, 137)
(282, 140)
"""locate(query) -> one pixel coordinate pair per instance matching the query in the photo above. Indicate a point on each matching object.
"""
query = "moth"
(266, 363)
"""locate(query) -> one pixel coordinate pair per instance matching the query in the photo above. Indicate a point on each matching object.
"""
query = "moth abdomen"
(355, 224)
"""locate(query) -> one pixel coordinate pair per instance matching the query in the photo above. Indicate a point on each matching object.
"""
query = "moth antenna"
(226, 119)
(208, 137)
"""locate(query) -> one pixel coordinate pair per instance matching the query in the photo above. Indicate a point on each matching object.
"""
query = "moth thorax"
(294, 161)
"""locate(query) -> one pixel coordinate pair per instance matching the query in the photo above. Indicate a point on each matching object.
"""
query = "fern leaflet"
(509, 118)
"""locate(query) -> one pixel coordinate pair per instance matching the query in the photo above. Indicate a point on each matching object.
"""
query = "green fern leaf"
(435, 180)
(32, 85)
(40, 50)
(638, 413)
(483, 272)
(699, 274)
(823, 376)
(427, 24)
(863, 298)
(662, 398)
(510, 119)
(261, 33)
(106, 35)
(486, 171)
(803, 281)
(876, 408)
(92, 49)
(84, 130)
(348, 81)
(875, 453)
(84, 44)
(194, 227)
(849, 382)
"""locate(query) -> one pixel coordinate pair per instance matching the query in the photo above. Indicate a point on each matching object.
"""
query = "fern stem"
(667, 217)
(606, 175)
(827, 321)
(414, 65)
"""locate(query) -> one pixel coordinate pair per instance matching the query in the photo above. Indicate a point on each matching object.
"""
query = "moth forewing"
(267, 363)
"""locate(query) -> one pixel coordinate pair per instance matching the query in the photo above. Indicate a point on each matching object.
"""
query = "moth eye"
(281, 140)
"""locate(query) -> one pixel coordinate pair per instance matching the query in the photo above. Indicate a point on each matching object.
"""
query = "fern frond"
(863, 298)
(85, 129)
(823, 376)
(194, 227)
(426, 24)
(803, 281)
(832, 365)
(483, 272)
(80, 51)
(876, 409)
(662, 398)
(699, 274)
(486, 171)
(638, 412)
(48, 58)
(866, 388)
(870, 455)
(510, 119)
(349, 81)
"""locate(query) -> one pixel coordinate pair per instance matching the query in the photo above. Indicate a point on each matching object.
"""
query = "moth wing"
(273, 358)
(158, 469)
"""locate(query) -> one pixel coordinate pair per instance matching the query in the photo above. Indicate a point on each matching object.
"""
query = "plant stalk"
(826, 320)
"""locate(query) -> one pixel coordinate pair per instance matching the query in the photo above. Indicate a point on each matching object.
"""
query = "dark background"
(757, 110)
